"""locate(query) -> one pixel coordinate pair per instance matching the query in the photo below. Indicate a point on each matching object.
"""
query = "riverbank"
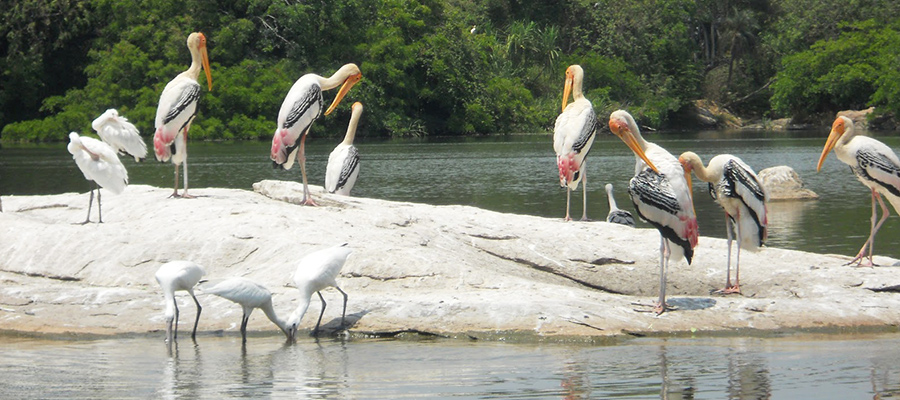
(447, 270)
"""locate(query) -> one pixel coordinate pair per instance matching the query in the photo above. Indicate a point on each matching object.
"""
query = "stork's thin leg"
(321, 313)
(244, 320)
(885, 213)
(568, 202)
(344, 312)
(663, 266)
(175, 193)
(184, 193)
(737, 266)
(307, 198)
(870, 241)
(731, 227)
(584, 189)
(90, 202)
(175, 332)
(99, 206)
(197, 319)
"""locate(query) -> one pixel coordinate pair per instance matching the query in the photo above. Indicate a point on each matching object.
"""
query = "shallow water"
(791, 367)
(515, 174)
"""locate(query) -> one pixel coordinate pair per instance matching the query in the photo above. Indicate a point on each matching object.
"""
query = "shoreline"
(443, 270)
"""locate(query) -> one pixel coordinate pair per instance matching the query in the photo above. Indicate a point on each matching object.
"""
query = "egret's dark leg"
(244, 320)
(316, 331)
(197, 319)
(175, 332)
(344, 312)
(90, 202)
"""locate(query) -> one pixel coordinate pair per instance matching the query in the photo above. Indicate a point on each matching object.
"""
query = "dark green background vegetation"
(64, 62)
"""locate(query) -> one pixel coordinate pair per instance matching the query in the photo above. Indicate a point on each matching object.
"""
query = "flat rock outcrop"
(447, 270)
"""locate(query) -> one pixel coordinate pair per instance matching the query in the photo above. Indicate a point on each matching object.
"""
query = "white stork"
(250, 295)
(99, 164)
(317, 271)
(175, 276)
(736, 188)
(617, 215)
(661, 197)
(302, 106)
(177, 108)
(573, 136)
(875, 165)
(343, 162)
(120, 134)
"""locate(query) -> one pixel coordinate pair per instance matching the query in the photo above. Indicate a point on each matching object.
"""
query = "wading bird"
(317, 271)
(100, 165)
(343, 162)
(875, 165)
(249, 295)
(573, 136)
(661, 197)
(122, 135)
(177, 108)
(736, 188)
(172, 277)
(302, 106)
(617, 215)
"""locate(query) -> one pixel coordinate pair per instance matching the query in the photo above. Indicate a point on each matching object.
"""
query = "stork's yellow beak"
(620, 129)
(351, 80)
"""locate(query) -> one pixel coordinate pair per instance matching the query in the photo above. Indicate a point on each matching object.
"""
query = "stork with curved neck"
(875, 165)
(573, 135)
(177, 108)
(735, 187)
(343, 162)
(301, 107)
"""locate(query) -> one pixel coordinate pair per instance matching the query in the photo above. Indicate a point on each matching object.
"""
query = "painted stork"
(249, 295)
(617, 215)
(100, 165)
(736, 188)
(343, 162)
(875, 165)
(317, 271)
(661, 197)
(176, 276)
(177, 108)
(302, 106)
(120, 134)
(573, 136)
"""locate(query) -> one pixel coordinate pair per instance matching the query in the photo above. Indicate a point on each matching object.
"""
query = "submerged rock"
(783, 183)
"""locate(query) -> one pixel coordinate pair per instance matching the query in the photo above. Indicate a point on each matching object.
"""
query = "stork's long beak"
(567, 90)
(623, 132)
(343, 91)
(829, 144)
(205, 58)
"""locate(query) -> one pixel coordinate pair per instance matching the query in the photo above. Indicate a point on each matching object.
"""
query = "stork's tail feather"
(161, 145)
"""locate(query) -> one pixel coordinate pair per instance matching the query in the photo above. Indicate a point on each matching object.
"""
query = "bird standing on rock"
(875, 165)
(617, 215)
(99, 164)
(661, 197)
(317, 271)
(343, 162)
(249, 295)
(573, 136)
(302, 106)
(736, 188)
(177, 108)
(175, 276)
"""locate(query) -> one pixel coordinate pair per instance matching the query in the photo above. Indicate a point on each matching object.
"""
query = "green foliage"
(852, 71)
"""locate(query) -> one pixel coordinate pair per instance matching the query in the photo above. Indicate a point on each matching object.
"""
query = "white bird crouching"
(122, 135)
(176, 276)
(343, 162)
(317, 271)
(98, 163)
(249, 295)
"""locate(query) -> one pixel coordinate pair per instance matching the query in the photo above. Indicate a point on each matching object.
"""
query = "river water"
(515, 174)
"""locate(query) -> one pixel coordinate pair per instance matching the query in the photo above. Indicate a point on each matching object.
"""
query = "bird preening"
(120, 134)
(343, 162)
(100, 165)
(875, 165)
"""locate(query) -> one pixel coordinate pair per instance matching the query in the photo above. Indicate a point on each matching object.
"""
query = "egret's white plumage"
(617, 215)
(122, 135)
(249, 295)
(661, 196)
(735, 187)
(573, 136)
(303, 105)
(177, 108)
(176, 276)
(343, 162)
(317, 271)
(98, 163)
(875, 165)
